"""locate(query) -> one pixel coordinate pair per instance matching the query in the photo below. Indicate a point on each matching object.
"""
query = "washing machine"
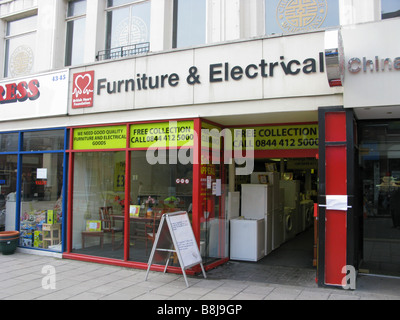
(289, 231)
(307, 213)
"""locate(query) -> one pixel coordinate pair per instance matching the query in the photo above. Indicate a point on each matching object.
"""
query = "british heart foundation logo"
(82, 90)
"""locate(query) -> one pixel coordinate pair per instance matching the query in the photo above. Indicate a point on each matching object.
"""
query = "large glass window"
(189, 23)
(20, 47)
(8, 188)
(76, 23)
(128, 23)
(390, 9)
(98, 206)
(43, 140)
(34, 206)
(41, 200)
(283, 16)
(155, 190)
(380, 177)
(214, 225)
(8, 142)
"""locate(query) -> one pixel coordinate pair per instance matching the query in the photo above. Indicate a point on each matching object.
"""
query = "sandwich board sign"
(175, 235)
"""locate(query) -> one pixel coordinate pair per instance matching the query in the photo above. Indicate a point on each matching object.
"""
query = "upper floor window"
(20, 43)
(189, 23)
(76, 24)
(290, 16)
(128, 22)
(390, 9)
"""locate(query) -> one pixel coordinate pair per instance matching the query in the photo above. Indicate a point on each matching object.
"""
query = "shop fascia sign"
(85, 85)
(218, 72)
(377, 64)
(19, 91)
(34, 96)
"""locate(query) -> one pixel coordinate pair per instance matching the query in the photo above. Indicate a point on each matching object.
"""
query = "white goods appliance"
(247, 241)
(277, 228)
(259, 178)
(232, 205)
(257, 204)
(307, 213)
(277, 209)
(288, 229)
(292, 200)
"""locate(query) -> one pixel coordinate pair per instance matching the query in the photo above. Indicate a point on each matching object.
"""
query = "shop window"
(379, 162)
(76, 23)
(155, 189)
(282, 16)
(189, 23)
(43, 140)
(20, 43)
(98, 206)
(8, 187)
(128, 26)
(8, 142)
(214, 225)
(41, 201)
(390, 9)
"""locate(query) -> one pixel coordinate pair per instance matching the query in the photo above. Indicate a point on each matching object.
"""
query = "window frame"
(110, 9)
(8, 37)
(69, 34)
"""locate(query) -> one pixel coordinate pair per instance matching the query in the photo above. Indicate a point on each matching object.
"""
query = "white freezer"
(256, 200)
(257, 204)
(247, 241)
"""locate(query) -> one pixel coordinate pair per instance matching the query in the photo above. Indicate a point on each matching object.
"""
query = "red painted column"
(196, 207)
(336, 185)
(70, 191)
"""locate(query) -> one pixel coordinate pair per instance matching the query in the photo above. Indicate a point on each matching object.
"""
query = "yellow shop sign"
(111, 137)
(287, 137)
(162, 134)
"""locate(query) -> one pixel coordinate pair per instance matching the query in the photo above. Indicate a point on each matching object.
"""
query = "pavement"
(26, 276)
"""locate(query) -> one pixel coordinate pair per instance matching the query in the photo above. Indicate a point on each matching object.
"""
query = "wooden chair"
(108, 223)
(150, 229)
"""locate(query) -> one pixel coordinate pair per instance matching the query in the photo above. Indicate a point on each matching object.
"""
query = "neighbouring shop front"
(33, 163)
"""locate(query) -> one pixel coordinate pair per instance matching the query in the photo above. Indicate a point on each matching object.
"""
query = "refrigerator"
(257, 204)
(247, 239)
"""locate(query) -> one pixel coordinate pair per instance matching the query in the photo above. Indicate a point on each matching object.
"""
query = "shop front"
(186, 130)
(33, 163)
(183, 131)
(124, 177)
(372, 74)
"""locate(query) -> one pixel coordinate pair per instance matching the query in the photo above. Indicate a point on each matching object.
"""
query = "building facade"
(116, 112)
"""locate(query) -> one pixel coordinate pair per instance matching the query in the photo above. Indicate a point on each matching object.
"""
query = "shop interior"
(379, 162)
(287, 237)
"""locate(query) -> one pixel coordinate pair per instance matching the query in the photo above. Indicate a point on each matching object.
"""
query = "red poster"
(82, 90)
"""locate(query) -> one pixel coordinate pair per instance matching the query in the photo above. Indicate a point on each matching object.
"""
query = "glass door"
(98, 206)
(214, 225)
(380, 175)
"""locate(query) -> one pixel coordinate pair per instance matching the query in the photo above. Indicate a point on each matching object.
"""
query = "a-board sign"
(175, 235)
